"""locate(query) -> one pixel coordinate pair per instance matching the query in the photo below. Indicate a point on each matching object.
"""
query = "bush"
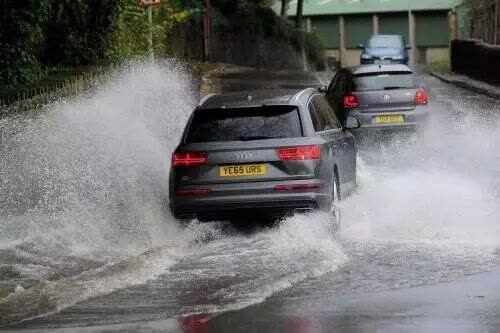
(21, 41)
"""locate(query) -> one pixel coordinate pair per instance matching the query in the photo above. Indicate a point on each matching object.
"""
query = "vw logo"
(242, 156)
(387, 97)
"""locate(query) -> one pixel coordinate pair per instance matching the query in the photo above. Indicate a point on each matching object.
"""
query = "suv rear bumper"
(226, 202)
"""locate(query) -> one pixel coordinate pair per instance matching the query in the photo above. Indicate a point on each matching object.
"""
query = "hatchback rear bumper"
(227, 201)
(412, 119)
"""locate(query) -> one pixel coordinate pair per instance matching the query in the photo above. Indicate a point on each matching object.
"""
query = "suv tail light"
(350, 101)
(193, 192)
(298, 153)
(421, 97)
(189, 159)
(298, 187)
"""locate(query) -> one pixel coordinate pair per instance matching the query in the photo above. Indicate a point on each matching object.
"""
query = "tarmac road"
(418, 251)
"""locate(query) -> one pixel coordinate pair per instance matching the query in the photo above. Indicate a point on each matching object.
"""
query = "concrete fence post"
(452, 20)
(376, 25)
(412, 29)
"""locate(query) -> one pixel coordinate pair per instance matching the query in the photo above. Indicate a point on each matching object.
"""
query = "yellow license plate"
(393, 118)
(242, 170)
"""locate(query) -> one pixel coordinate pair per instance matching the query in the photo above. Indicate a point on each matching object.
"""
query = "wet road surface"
(418, 250)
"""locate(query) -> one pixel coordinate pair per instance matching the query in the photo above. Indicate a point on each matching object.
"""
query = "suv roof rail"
(301, 92)
(204, 99)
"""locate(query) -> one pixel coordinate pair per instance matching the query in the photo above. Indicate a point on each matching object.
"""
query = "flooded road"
(86, 239)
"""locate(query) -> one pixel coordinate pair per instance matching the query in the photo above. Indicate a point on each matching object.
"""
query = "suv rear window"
(244, 124)
(383, 81)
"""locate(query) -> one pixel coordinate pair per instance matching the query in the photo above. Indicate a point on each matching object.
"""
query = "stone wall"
(476, 59)
(255, 51)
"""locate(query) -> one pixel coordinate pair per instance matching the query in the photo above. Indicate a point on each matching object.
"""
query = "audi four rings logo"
(242, 156)
(387, 97)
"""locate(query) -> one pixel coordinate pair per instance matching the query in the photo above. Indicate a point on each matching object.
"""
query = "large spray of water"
(84, 203)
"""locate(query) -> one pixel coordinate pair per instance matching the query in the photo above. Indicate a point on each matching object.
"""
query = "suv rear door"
(241, 145)
(340, 142)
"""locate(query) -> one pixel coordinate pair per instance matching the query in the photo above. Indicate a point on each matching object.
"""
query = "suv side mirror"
(323, 89)
(352, 123)
(408, 47)
(361, 46)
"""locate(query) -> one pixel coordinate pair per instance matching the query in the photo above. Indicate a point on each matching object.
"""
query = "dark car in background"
(384, 49)
(268, 153)
(378, 96)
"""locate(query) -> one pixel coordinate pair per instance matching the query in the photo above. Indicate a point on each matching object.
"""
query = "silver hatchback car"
(379, 96)
(262, 153)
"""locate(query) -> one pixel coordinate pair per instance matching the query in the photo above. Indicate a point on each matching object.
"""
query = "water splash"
(85, 180)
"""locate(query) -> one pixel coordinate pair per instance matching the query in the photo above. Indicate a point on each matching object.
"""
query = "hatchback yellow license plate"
(242, 170)
(392, 118)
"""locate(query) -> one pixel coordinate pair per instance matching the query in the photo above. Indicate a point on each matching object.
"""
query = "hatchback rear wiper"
(256, 137)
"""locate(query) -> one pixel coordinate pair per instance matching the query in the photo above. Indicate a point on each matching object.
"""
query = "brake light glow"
(421, 97)
(350, 101)
(189, 159)
(193, 192)
(297, 187)
(298, 153)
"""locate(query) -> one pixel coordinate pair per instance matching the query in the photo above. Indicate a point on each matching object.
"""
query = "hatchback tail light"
(350, 101)
(299, 153)
(421, 97)
(189, 159)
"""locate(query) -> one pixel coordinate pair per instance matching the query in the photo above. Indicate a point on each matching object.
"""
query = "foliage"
(76, 32)
(36, 35)
(481, 14)
(21, 40)
(130, 34)
(315, 49)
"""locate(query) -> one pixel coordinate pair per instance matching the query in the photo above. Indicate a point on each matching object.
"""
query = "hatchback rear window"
(383, 81)
(244, 124)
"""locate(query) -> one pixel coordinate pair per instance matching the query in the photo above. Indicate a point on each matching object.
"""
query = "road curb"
(466, 85)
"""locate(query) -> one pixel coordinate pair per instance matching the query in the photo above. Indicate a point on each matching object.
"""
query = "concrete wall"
(423, 55)
(435, 54)
(428, 32)
(352, 57)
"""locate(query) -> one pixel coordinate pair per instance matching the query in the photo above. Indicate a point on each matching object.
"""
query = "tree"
(299, 26)
(484, 19)
(285, 5)
(299, 16)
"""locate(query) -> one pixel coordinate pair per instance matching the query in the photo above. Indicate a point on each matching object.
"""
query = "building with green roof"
(427, 25)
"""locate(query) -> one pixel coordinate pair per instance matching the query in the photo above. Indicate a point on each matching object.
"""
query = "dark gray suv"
(265, 153)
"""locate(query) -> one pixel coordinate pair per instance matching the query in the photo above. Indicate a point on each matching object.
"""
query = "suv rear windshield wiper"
(256, 137)
(394, 88)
